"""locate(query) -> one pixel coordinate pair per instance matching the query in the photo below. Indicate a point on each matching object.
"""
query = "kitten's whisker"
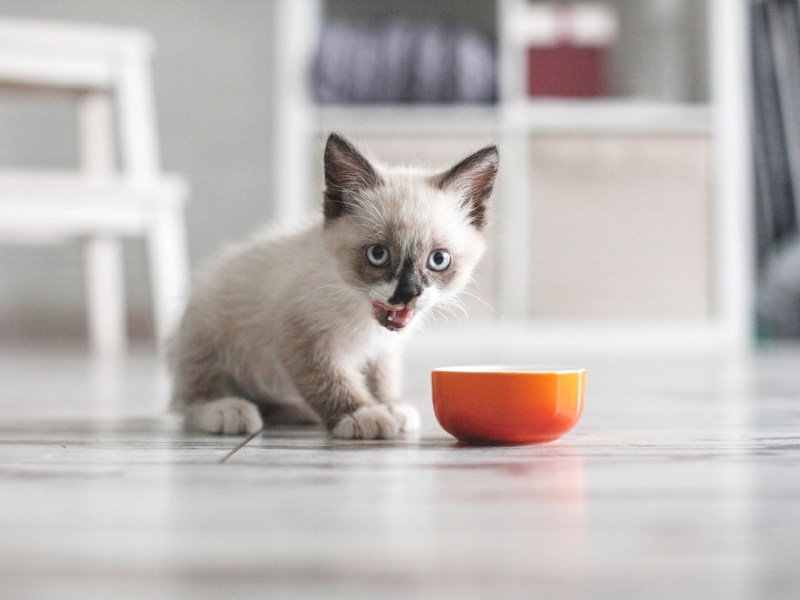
(448, 304)
(438, 312)
(479, 299)
(370, 209)
(460, 307)
(370, 221)
(452, 299)
(450, 310)
(373, 210)
(473, 281)
(372, 217)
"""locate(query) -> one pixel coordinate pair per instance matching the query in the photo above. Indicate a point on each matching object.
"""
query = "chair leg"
(106, 296)
(169, 268)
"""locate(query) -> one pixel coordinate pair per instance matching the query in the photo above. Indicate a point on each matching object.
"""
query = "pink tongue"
(399, 317)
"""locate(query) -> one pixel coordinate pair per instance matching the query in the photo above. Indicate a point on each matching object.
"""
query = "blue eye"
(439, 260)
(378, 255)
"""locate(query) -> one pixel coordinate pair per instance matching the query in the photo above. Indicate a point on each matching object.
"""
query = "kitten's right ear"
(347, 173)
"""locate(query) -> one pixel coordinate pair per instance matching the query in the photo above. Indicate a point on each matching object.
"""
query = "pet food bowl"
(508, 404)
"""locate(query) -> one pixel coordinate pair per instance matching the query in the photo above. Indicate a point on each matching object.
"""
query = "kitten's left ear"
(473, 179)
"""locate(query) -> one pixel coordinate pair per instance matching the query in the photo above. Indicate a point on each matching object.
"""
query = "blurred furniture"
(429, 62)
(647, 255)
(569, 48)
(775, 39)
(119, 188)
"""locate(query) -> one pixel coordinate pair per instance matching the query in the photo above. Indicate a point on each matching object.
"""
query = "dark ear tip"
(490, 153)
(338, 145)
(337, 140)
(334, 137)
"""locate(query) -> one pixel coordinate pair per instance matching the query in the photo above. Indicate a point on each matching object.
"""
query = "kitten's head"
(405, 239)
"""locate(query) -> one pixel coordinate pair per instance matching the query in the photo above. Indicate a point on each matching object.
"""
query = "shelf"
(434, 118)
(548, 116)
(607, 115)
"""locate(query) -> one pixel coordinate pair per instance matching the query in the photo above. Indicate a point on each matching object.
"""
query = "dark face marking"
(443, 278)
(412, 275)
(409, 284)
(368, 273)
(393, 288)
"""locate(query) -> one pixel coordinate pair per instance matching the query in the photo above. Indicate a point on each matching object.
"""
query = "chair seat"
(62, 204)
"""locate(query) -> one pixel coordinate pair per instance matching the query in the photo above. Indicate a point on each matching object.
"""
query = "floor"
(682, 480)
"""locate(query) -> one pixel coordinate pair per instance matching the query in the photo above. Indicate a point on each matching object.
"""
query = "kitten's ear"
(473, 179)
(347, 172)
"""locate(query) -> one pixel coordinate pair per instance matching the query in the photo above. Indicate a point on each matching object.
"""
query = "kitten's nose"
(409, 285)
(404, 295)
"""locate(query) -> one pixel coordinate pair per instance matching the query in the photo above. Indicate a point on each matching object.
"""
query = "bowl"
(508, 404)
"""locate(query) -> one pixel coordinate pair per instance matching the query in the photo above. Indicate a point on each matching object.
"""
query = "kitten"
(306, 326)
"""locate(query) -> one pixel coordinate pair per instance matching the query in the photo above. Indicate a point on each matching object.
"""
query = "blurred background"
(629, 211)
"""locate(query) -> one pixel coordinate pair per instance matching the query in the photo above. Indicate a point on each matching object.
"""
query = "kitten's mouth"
(392, 317)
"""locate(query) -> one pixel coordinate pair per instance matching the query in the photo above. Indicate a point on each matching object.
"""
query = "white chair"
(108, 68)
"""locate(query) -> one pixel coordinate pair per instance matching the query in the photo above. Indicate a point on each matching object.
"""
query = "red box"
(566, 70)
(568, 48)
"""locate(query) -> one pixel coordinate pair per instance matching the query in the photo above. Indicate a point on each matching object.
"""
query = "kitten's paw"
(225, 415)
(406, 416)
(367, 423)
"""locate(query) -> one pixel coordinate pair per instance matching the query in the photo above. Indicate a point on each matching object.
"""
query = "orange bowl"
(507, 404)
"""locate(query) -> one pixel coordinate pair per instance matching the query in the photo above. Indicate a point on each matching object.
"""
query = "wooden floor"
(681, 481)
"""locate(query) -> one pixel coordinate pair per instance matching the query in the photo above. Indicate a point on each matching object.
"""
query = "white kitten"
(305, 326)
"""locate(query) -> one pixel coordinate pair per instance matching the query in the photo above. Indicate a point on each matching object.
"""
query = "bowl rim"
(510, 369)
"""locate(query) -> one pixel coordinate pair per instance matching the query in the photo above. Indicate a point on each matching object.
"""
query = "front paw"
(367, 423)
(406, 416)
(225, 415)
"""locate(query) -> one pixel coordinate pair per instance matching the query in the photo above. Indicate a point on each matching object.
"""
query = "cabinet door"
(619, 227)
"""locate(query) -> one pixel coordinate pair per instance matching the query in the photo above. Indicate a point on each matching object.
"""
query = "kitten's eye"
(439, 260)
(378, 255)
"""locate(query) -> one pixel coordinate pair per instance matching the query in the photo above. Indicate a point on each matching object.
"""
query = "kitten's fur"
(305, 327)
